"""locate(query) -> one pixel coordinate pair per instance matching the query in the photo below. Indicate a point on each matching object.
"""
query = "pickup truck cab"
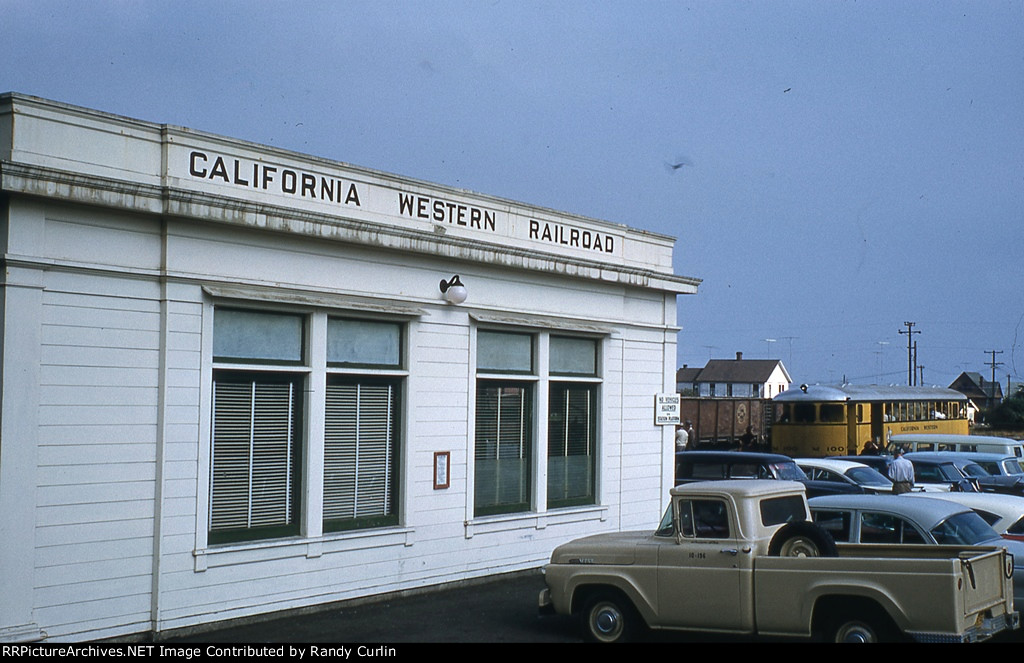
(741, 557)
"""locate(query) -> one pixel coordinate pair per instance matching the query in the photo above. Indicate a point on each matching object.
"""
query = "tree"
(1009, 413)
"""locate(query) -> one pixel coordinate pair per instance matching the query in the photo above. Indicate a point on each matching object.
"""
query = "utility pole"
(920, 370)
(993, 363)
(910, 351)
(916, 381)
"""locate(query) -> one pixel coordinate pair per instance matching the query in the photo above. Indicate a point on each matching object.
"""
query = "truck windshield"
(963, 529)
(666, 528)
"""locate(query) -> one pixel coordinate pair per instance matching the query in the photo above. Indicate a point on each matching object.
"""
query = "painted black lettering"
(353, 195)
(327, 189)
(219, 170)
(238, 177)
(268, 175)
(474, 217)
(421, 207)
(288, 181)
(488, 220)
(574, 237)
(308, 185)
(404, 204)
(534, 229)
(193, 159)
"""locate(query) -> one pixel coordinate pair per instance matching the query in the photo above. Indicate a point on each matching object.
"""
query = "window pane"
(364, 342)
(255, 458)
(360, 454)
(571, 444)
(504, 352)
(255, 335)
(573, 356)
(503, 424)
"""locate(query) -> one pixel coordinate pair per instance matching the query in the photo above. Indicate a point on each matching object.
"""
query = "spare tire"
(803, 539)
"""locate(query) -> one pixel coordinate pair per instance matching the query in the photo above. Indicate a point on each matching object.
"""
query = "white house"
(232, 384)
(735, 378)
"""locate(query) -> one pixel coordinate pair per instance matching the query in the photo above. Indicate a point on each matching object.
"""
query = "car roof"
(839, 465)
(969, 455)
(941, 456)
(732, 457)
(950, 438)
(999, 503)
(926, 511)
(738, 487)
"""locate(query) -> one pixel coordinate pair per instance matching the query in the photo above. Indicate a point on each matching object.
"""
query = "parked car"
(926, 484)
(925, 519)
(995, 464)
(849, 472)
(694, 466)
(928, 465)
(941, 442)
(1005, 513)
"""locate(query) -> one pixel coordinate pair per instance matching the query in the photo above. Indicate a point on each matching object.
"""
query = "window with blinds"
(255, 459)
(502, 448)
(360, 453)
(571, 437)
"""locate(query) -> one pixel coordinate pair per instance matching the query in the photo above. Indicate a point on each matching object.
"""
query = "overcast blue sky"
(850, 165)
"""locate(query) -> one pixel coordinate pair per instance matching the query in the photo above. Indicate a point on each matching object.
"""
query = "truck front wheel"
(609, 618)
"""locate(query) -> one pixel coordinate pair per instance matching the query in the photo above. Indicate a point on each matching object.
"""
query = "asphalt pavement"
(498, 609)
(493, 610)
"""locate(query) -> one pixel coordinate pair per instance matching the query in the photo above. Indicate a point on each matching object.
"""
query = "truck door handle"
(730, 551)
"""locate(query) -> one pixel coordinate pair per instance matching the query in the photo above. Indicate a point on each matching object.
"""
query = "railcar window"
(803, 413)
(832, 413)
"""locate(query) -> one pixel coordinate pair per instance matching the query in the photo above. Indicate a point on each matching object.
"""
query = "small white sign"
(666, 409)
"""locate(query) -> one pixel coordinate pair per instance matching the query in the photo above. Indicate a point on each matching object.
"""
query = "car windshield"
(788, 471)
(1016, 528)
(868, 476)
(949, 472)
(975, 470)
(967, 528)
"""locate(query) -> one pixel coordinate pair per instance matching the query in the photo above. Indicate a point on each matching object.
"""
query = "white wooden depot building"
(232, 384)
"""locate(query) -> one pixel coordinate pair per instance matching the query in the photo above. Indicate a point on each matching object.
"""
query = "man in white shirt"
(682, 438)
(901, 471)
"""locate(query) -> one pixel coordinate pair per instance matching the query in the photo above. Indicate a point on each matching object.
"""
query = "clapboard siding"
(98, 410)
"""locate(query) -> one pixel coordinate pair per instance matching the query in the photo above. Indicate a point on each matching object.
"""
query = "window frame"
(542, 380)
(314, 372)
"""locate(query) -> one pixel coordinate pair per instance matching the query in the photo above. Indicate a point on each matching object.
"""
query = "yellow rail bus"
(817, 421)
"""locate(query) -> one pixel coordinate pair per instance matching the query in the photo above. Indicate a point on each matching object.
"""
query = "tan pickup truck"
(741, 557)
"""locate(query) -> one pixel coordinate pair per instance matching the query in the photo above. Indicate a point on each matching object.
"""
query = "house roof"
(975, 384)
(687, 375)
(740, 370)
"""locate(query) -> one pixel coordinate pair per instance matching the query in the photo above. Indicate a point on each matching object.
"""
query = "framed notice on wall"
(666, 409)
(442, 473)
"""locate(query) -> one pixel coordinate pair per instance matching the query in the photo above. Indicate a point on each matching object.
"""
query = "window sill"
(519, 521)
(273, 549)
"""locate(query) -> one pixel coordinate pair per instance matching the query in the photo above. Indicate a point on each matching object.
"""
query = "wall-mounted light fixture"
(453, 290)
